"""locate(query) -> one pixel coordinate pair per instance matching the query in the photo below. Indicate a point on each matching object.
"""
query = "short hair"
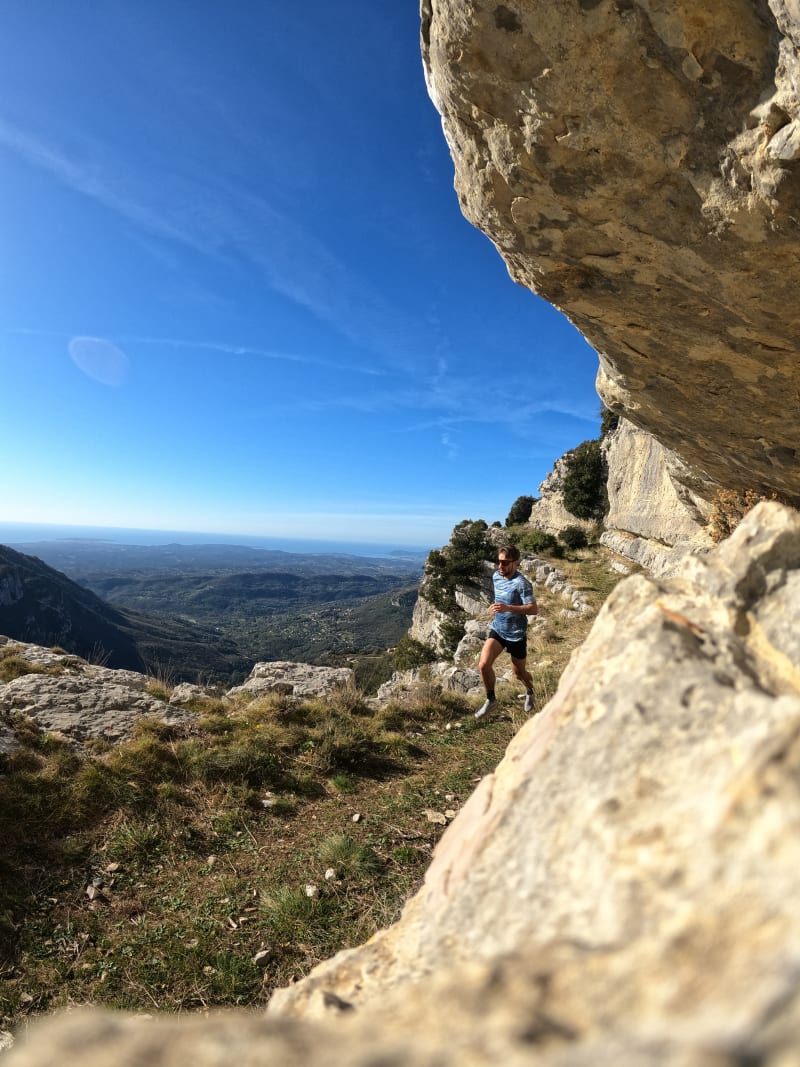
(511, 552)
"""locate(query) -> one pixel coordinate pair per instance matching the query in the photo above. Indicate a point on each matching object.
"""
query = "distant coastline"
(16, 533)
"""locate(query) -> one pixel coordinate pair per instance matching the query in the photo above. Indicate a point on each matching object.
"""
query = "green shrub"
(409, 654)
(573, 537)
(451, 632)
(536, 542)
(520, 510)
(585, 482)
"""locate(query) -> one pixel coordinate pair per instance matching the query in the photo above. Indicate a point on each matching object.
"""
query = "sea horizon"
(17, 533)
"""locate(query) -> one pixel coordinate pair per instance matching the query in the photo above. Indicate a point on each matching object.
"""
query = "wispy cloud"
(228, 349)
(214, 216)
(449, 446)
(441, 404)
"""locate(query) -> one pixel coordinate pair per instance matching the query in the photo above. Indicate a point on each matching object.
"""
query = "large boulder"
(637, 164)
(76, 700)
(293, 679)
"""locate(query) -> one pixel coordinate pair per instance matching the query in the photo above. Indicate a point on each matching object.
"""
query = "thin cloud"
(451, 449)
(260, 353)
(223, 220)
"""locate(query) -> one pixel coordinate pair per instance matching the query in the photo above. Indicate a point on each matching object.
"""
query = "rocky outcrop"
(623, 889)
(79, 701)
(654, 516)
(637, 164)
(293, 679)
(643, 498)
(549, 513)
(426, 621)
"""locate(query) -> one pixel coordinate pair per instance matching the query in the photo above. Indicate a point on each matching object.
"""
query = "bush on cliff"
(584, 487)
(520, 510)
(535, 542)
(459, 562)
(410, 654)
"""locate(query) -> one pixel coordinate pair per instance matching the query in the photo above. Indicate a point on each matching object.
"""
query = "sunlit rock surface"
(637, 163)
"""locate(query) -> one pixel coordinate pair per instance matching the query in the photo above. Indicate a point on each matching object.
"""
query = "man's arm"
(515, 609)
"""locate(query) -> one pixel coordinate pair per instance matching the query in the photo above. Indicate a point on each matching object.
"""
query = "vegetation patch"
(729, 507)
(584, 487)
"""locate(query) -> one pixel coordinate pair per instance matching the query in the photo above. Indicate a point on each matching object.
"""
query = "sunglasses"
(501, 562)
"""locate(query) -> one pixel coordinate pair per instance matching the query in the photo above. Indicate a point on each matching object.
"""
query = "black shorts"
(515, 649)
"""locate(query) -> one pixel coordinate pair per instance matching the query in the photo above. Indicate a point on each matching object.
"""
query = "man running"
(514, 600)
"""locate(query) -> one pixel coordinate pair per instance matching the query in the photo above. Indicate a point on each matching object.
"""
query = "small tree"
(520, 510)
(573, 537)
(457, 563)
(410, 653)
(584, 486)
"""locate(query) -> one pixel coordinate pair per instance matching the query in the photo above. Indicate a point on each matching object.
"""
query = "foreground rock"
(624, 889)
(632, 870)
(637, 164)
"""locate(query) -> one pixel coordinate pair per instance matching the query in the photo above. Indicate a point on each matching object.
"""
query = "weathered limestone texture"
(80, 701)
(637, 163)
(653, 518)
(623, 889)
(642, 497)
(293, 679)
(63, 694)
(549, 513)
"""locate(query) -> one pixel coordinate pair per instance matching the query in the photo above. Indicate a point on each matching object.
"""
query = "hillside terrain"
(171, 869)
(191, 612)
(43, 606)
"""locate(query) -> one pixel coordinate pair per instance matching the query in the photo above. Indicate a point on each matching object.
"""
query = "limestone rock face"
(642, 497)
(426, 621)
(623, 889)
(655, 517)
(637, 163)
(293, 679)
(549, 512)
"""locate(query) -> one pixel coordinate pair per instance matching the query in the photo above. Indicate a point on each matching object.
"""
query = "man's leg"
(491, 650)
(522, 674)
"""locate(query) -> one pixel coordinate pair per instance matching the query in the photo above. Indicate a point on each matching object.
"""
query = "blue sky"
(237, 294)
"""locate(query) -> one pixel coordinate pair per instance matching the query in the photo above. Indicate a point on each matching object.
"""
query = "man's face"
(506, 566)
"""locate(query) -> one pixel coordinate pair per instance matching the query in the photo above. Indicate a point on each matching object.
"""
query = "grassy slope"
(171, 872)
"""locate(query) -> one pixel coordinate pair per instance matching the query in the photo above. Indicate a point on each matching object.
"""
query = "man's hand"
(498, 608)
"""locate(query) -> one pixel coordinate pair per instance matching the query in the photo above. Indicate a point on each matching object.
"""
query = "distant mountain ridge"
(40, 605)
(203, 612)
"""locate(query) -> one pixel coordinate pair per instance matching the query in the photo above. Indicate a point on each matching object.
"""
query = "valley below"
(242, 605)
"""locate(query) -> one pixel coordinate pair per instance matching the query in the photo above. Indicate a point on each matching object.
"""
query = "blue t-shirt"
(516, 590)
